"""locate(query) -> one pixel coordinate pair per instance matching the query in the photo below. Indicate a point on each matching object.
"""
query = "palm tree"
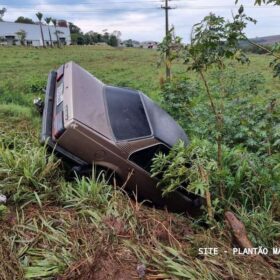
(54, 21)
(2, 13)
(48, 20)
(40, 16)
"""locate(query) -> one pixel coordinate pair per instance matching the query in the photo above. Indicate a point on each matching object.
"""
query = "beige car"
(117, 128)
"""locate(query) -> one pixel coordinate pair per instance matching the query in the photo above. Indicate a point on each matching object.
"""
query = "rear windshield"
(126, 113)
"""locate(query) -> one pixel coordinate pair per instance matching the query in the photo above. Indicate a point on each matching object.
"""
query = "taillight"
(58, 121)
(60, 73)
(58, 125)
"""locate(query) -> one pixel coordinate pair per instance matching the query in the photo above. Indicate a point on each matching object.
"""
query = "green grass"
(129, 67)
(87, 228)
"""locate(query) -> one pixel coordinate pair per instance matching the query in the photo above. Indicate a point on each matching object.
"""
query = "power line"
(227, 7)
(88, 3)
(128, 8)
(131, 3)
(23, 9)
(135, 2)
(82, 11)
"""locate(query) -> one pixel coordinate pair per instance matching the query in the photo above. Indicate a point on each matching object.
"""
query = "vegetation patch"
(87, 228)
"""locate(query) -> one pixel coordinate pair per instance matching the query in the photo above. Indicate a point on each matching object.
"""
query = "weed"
(86, 192)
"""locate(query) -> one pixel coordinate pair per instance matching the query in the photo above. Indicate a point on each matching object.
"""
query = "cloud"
(143, 19)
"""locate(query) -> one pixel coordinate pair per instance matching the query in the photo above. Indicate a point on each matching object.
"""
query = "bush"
(250, 118)
(249, 180)
(178, 98)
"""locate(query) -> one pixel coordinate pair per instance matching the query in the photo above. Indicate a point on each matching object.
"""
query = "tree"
(74, 37)
(40, 16)
(98, 37)
(117, 33)
(22, 36)
(259, 2)
(74, 28)
(129, 43)
(88, 39)
(2, 13)
(105, 36)
(94, 37)
(77, 36)
(80, 40)
(91, 37)
(54, 21)
(48, 20)
(113, 41)
(22, 19)
(213, 41)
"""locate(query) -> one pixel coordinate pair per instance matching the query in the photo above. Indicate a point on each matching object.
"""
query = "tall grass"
(94, 192)
(28, 172)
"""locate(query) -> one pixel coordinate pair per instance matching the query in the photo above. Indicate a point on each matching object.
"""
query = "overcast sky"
(142, 19)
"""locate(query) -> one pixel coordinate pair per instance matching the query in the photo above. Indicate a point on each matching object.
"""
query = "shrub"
(249, 180)
(250, 118)
(178, 98)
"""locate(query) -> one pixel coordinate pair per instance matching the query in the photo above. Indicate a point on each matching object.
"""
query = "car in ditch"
(89, 122)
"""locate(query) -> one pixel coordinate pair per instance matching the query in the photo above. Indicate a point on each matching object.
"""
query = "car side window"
(144, 157)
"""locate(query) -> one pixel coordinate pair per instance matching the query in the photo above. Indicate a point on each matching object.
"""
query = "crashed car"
(121, 129)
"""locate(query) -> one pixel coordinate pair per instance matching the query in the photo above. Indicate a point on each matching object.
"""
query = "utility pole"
(167, 55)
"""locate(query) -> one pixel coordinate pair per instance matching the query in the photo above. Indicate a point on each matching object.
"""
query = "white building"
(9, 36)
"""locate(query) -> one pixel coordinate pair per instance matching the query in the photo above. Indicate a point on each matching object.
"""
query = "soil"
(120, 265)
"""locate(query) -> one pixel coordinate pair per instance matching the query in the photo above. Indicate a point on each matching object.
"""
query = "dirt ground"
(120, 266)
